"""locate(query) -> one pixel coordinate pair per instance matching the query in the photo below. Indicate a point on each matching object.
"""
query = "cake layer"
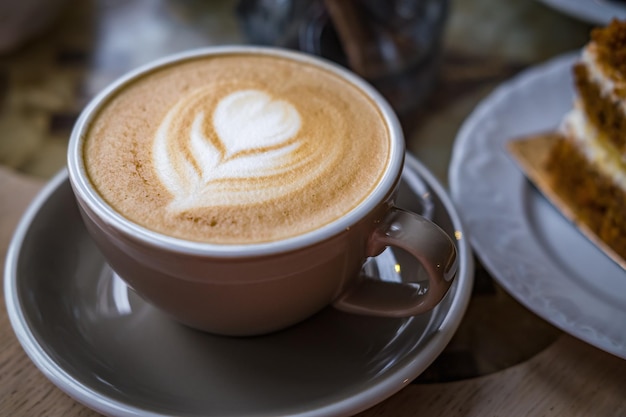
(600, 81)
(594, 145)
(602, 109)
(587, 166)
(595, 198)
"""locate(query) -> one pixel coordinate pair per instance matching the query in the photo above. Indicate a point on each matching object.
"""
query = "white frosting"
(585, 135)
(256, 139)
(588, 138)
(599, 77)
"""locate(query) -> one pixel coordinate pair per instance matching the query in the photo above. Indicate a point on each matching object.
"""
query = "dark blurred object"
(394, 44)
(20, 20)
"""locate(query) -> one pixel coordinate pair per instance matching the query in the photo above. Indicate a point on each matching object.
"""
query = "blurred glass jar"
(395, 44)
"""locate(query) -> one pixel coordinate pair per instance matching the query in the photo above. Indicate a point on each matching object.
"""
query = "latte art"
(250, 136)
(236, 149)
(252, 120)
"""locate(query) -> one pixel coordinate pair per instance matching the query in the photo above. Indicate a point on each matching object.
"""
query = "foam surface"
(237, 149)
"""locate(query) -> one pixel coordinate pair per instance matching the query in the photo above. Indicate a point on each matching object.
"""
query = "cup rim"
(87, 194)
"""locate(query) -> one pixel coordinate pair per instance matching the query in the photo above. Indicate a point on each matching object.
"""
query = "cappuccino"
(236, 148)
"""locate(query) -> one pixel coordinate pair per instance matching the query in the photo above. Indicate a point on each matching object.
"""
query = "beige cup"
(249, 289)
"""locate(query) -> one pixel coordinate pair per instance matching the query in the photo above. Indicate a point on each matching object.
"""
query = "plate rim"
(480, 114)
(369, 396)
(597, 12)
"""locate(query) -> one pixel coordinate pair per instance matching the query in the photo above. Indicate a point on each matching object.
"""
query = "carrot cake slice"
(587, 165)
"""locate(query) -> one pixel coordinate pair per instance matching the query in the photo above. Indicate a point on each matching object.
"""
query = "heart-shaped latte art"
(251, 120)
(255, 133)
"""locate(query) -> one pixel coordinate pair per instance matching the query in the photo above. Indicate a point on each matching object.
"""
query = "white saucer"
(105, 347)
(599, 12)
(538, 256)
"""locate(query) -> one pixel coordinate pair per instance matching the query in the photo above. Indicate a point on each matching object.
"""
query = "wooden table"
(503, 360)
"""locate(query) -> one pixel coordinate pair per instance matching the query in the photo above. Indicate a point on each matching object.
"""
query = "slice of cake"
(587, 166)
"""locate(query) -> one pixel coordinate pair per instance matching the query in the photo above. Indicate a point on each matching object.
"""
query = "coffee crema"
(236, 148)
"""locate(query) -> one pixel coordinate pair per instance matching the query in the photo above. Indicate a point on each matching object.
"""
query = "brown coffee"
(236, 148)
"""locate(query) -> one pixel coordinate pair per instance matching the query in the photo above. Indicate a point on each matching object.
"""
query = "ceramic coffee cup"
(241, 189)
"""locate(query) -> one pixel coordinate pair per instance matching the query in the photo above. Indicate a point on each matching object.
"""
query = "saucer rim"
(370, 395)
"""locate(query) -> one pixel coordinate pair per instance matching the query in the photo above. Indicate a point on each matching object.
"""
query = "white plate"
(105, 347)
(525, 243)
(598, 12)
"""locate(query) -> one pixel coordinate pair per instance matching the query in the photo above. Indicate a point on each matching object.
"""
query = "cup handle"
(425, 241)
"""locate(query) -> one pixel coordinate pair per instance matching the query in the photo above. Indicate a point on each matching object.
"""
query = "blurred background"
(433, 59)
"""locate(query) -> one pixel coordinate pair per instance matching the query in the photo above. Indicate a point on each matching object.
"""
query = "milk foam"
(252, 134)
(236, 149)
(255, 140)
(251, 121)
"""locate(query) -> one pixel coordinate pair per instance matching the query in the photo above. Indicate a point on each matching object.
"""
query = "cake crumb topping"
(610, 42)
